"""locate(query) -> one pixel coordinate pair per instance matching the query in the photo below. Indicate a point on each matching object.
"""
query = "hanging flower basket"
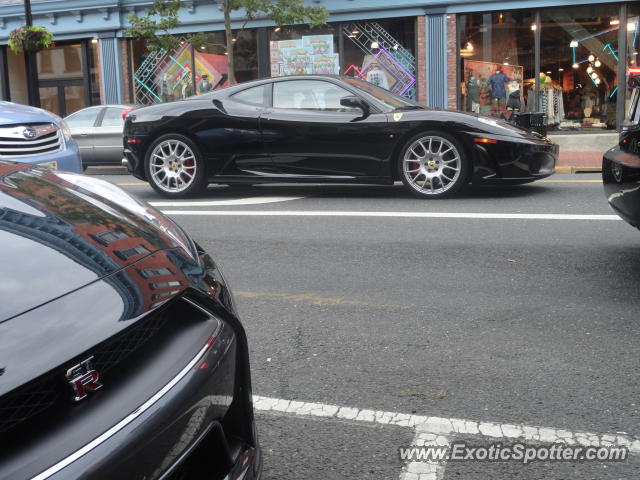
(30, 39)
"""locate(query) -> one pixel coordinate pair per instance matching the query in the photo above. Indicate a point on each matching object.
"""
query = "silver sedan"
(98, 131)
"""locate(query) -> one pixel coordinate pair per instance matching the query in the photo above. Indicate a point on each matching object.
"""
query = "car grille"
(15, 143)
(49, 390)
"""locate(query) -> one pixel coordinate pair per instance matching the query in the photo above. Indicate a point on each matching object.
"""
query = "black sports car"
(621, 164)
(121, 355)
(325, 129)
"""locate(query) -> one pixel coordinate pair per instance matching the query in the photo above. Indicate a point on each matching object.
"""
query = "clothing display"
(497, 82)
(513, 100)
(473, 89)
(552, 105)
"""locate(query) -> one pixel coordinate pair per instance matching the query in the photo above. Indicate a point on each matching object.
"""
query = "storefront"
(67, 76)
(568, 63)
(562, 59)
(379, 51)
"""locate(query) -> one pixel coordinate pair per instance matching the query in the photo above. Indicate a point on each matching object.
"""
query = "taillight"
(125, 111)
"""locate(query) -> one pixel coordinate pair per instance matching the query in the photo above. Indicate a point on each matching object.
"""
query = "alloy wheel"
(432, 165)
(173, 166)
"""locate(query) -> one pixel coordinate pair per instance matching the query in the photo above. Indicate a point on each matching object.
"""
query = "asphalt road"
(520, 321)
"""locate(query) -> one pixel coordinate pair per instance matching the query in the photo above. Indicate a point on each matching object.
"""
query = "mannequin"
(497, 82)
(513, 99)
(473, 89)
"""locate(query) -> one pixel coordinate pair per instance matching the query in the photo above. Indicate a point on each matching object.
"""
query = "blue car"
(35, 136)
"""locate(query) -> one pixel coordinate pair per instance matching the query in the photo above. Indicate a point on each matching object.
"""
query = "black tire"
(441, 167)
(168, 170)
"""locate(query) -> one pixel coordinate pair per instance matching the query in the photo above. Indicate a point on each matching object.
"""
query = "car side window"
(83, 118)
(310, 95)
(252, 96)
(113, 118)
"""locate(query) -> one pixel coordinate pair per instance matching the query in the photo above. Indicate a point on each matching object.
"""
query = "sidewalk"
(582, 151)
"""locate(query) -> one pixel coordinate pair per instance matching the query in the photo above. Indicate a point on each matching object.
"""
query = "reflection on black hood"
(60, 232)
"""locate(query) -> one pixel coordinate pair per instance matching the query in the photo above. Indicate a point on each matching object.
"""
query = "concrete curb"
(570, 169)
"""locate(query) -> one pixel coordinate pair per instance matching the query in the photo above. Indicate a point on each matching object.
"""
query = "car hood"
(469, 121)
(61, 231)
(12, 114)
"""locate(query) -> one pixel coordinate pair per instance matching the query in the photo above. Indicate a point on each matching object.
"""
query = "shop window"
(17, 78)
(300, 50)
(633, 46)
(164, 77)
(382, 52)
(579, 63)
(497, 63)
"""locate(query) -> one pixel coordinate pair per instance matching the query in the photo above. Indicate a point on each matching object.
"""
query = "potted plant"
(30, 39)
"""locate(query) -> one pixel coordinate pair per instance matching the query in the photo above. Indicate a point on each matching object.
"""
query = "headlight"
(64, 128)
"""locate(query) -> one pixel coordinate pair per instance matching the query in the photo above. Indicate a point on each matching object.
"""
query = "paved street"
(438, 310)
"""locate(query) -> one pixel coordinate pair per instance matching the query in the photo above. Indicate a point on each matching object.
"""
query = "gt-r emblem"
(82, 379)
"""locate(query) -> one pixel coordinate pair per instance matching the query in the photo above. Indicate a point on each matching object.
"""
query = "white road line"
(439, 429)
(305, 213)
(448, 426)
(219, 203)
(425, 470)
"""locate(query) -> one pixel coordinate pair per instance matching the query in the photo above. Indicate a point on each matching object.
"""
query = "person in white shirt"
(377, 77)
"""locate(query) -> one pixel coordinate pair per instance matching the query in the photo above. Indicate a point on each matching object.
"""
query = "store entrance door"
(63, 97)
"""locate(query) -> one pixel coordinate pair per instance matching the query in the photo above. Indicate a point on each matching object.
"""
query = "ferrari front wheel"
(433, 165)
(175, 167)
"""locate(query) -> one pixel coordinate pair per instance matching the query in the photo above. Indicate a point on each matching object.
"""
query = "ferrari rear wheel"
(175, 167)
(433, 165)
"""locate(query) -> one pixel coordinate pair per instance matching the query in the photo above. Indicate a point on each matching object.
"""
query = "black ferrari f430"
(325, 129)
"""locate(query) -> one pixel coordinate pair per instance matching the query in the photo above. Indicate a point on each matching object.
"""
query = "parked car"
(319, 128)
(621, 164)
(35, 136)
(121, 352)
(98, 131)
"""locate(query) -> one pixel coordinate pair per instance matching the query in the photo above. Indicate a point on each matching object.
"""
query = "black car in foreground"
(315, 128)
(621, 164)
(121, 354)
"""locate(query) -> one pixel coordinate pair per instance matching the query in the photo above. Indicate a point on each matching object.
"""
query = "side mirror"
(352, 101)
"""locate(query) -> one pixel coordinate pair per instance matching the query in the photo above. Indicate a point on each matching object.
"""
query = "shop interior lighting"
(277, 29)
(631, 27)
(573, 44)
(533, 27)
(614, 22)
(575, 65)
(592, 58)
(589, 69)
(561, 69)
(374, 45)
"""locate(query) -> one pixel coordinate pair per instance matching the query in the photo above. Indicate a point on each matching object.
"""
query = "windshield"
(385, 96)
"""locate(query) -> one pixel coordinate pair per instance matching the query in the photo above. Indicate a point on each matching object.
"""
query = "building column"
(452, 62)
(110, 68)
(436, 59)
(421, 58)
